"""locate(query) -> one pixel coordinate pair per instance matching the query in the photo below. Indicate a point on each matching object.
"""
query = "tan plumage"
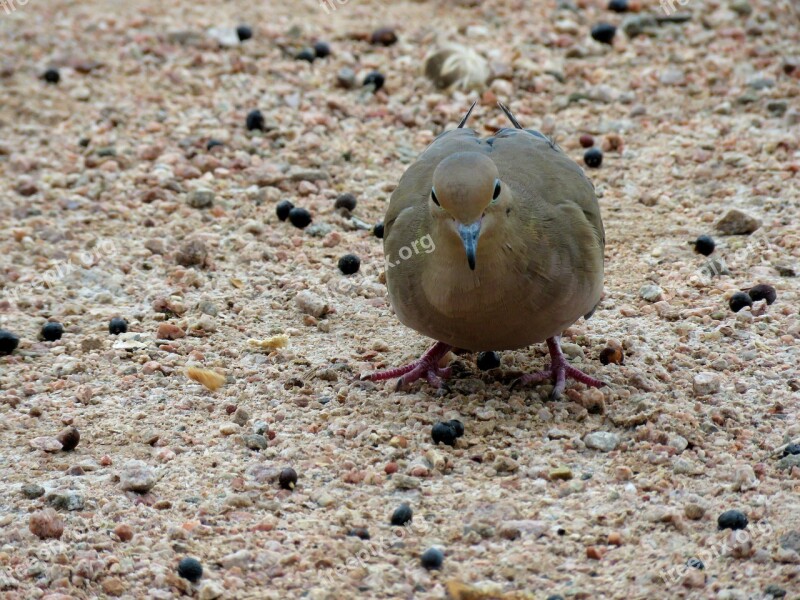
(538, 264)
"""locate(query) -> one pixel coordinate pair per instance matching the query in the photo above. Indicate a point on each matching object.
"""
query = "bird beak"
(469, 237)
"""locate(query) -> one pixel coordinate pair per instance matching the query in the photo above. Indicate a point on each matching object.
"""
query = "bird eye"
(434, 198)
(496, 190)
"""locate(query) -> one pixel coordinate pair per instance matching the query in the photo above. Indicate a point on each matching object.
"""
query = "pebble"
(706, 383)
(694, 512)
(46, 444)
(384, 36)
(201, 198)
(651, 293)
(560, 474)
(346, 78)
(123, 532)
(605, 441)
(169, 331)
(311, 304)
(254, 441)
(791, 541)
(137, 476)
(210, 590)
(66, 500)
(192, 254)
(32, 491)
(46, 524)
(636, 25)
(736, 222)
(241, 417)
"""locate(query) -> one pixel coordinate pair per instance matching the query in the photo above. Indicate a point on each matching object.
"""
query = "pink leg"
(426, 366)
(559, 370)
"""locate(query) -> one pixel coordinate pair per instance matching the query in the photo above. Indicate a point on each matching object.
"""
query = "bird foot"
(426, 366)
(558, 370)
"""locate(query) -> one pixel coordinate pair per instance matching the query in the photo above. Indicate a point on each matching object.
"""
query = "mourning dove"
(493, 244)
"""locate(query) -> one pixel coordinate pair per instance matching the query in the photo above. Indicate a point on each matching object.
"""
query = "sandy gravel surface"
(104, 204)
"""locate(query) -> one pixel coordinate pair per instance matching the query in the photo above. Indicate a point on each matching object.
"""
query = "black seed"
(593, 158)
(555, 597)
(213, 144)
(84, 142)
(117, 325)
(378, 231)
(732, 519)
(306, 54)
(322, 49)
(300, 217)
(349, 264)
(561, 531)
(283, 208)
(8, 342)
(376, 79)
(432, 558)
(191, 569)
(51, 76)
(619, 6)
(255, 120)
(444, 433)
(739, 301)
(695, 563)
(69, 439)
(762, 291)
(402, 515)
(347, 201)
(704, 245)
(244, 32)
(791, 449)
(52, 331)
(604, 33)
(488, 360)
(288, 478)
(458, 426)
(359, 532)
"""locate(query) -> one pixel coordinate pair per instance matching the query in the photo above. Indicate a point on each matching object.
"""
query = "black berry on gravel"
(593, 158)
(444, 433)
(244, 32)
(458, 426)
(762, 291)
(51, 76)
(739, 301)
(375, 79)
(283, 208)
(704, 245)
(604, 33)
(378, 230)
(432, 558)
(402, 515)
(8, 342)
(732, 519)
(347, 201)
(300, 217)
(52, 331)
(349, 264)
(322, 49)
(117, 325)
(191, 569)
(488, 360)
(288, 478)
(306, 54)
(255, 120)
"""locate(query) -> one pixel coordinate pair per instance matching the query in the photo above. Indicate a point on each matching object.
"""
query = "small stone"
(123, 532)
(385, 36)
(192, 254)
(201, 198)
(673, 76)
(651, 293)
(113, 586)
(66, 500)
(169, 331)
(736, 222)
(732, 519)
(605, 441)
(69, 438)
(560, 474)
(241, 417)
(706, 383)
(695, 512)
(791, 541)
(311, 304)
(741, 7)
(210, 590)
(346, 78)
(255, 441)
(594, 553)
(359, 532)
(32, 491)
(46, 524)
(46, 444)
(137, 476)
(609, 355)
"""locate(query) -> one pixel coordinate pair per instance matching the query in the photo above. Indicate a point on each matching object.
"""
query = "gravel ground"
(112, 205)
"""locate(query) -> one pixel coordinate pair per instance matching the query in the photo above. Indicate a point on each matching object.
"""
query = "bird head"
(466, 198)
